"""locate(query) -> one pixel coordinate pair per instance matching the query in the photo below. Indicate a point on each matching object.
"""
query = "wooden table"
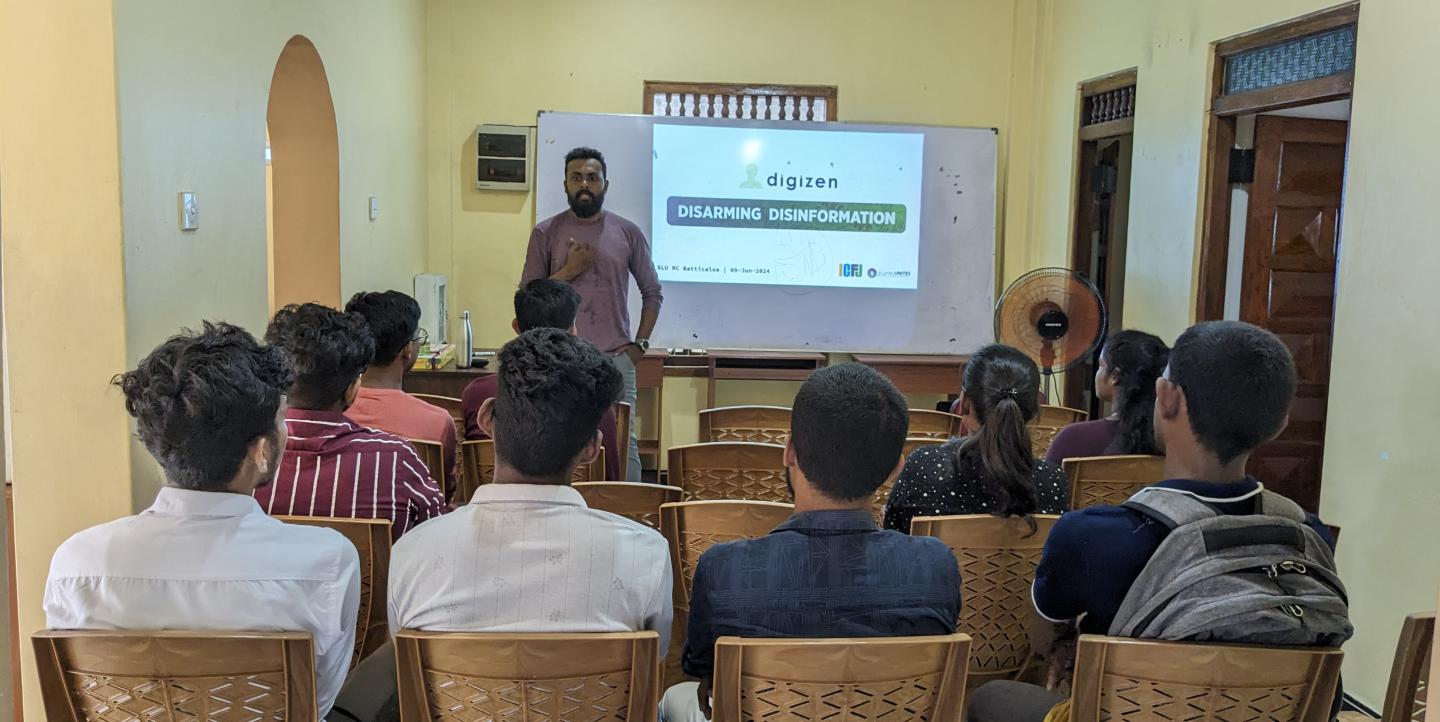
(760, 366)
(444, 382)
(918, 374)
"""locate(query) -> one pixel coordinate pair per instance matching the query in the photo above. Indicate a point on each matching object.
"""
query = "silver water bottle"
(463, 355)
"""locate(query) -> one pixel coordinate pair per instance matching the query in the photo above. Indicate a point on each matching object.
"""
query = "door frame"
(1214, 242)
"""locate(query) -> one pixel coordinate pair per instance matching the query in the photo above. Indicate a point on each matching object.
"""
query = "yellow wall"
(1378, 476)
(193, 93)
(948, 62)
(63, 286)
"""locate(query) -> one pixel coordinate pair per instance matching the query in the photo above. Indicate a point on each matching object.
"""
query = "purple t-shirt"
(621, 250)
(1086, 438)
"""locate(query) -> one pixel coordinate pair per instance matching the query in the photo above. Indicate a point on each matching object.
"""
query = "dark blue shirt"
(821, 574)
(1093, 555)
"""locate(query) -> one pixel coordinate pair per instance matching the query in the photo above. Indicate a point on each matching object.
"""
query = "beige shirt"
(531, 558)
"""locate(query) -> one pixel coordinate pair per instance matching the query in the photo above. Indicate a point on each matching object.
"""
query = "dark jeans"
(369, 694)
(1006, 701)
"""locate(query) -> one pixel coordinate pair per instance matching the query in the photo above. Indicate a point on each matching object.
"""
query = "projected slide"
(786, 207)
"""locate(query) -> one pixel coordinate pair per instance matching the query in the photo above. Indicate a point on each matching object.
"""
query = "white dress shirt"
(531, 558)
(199, 560)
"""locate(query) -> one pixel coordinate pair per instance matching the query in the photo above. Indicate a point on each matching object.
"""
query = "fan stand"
(1047, 366)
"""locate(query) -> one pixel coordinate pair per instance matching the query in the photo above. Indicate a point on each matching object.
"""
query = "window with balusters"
(809, 103)
(1109, 105)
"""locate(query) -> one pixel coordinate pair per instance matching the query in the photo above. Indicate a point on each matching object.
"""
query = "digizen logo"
(852, 270)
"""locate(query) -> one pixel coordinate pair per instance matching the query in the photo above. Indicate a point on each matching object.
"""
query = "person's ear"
(591, 452)
(485, 417)
(788, 459)
(605, 187)
(409, 354)
(1169, 399)
(257, 455)
(899, 465)
(1284, 424)
(515, 325)
(353, 390)
(574, 331)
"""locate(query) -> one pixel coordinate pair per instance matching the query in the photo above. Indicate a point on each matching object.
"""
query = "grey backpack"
(1265, 578)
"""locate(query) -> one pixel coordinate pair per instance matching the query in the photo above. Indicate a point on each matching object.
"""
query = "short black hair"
(328, 349)
(393, 317)
(546, 303)
(553, 390)
(848, 428)
(584, 153)
(1238, 381)
(199, 399)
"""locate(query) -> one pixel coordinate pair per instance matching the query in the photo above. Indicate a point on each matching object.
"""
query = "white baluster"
(762, 107)
(804, 108)
(789, 108)
(732, 105)
(718, 107)
(746, 106)
(675, 104)
(689, 105)
(704, 106)
(657, 107)
(775, 108)
(820, 115)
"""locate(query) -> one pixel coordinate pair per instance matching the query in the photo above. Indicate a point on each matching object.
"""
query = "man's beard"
(588, 206)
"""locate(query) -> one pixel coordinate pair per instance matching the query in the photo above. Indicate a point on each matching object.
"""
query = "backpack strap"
(1171, 508)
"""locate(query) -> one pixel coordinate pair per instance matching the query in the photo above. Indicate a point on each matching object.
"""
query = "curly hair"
(328, 349)
(553, 390)
(394, 319)
(200, 399)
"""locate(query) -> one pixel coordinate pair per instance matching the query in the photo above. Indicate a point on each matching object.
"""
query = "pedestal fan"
(1054, 315)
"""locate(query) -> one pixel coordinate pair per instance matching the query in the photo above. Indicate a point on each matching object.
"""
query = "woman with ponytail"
(1125, 378)
(992, 469)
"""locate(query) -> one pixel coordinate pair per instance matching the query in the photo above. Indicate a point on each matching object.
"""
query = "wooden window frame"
(1223, 110)
(830, 93)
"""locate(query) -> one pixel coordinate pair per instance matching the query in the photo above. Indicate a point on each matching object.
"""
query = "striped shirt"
(335, 467)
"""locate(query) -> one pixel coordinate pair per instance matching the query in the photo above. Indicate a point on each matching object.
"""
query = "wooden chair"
(1405, 698)
(89, 676)
(997, 558)
(637, 502)
(690, 528)
(759, 424)
(1048, 423)
(925, 424)
(877, 505)
(460, 677)
(371, 538)
(450, 404)
(433, 454)
(1142, 679)
(810, 680)
(1099, 480)
(623, 412)
(477, 463)
(730, 470)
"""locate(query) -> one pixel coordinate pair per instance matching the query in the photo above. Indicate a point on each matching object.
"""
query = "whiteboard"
(950, 311)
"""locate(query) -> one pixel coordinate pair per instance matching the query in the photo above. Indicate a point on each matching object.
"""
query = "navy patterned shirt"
(821, 574)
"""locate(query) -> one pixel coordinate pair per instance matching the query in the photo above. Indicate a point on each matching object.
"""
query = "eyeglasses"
(422, 338)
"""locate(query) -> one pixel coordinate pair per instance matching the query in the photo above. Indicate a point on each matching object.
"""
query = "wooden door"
(1102, 209)
(1292, 236)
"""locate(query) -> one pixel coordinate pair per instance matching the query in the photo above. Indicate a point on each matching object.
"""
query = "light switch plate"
(189, 212)
(374, 208)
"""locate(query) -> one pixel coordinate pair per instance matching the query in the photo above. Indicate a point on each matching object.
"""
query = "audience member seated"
(542, 303)
(1125, 378)
(210, 407)
(332, 465)
(1226, 391)
(526, 554)
(394, 320)
(828, 571)
(992, 468)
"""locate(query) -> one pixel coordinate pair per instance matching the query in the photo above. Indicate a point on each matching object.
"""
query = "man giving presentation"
(596, 252)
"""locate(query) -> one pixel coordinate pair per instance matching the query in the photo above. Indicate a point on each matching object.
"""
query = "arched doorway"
(303, 180)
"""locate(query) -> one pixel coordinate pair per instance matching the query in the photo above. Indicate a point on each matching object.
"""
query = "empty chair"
(1405, 698)
(1048, 422)
(623, 413)
(460, 677)
(90, 676)
(997, 559)
(433, 454)
(877, 505)
(760, 424)
(371, 538)
(730, 470)
(1141, 679)
(1099, 480)
(927, 424)
(691, 527)
(905, 678)
(477, 467)
(638, 502)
